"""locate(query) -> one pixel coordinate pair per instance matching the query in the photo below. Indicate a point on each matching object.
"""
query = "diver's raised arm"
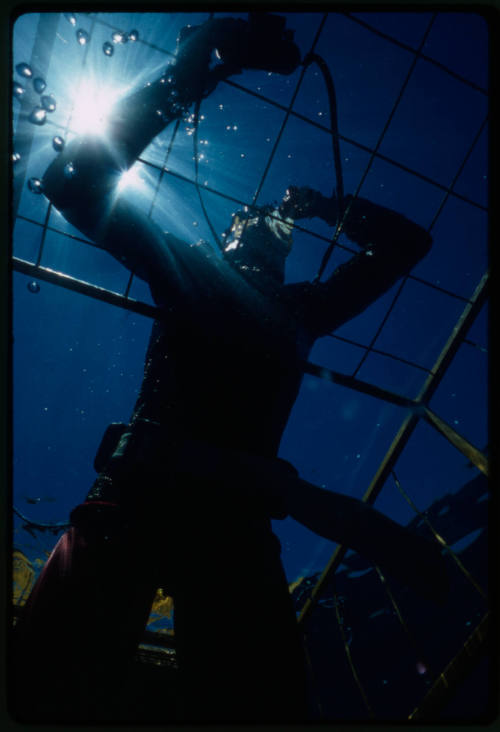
(82, 180)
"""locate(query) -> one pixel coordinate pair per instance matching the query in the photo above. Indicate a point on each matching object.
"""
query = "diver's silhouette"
(186, 491)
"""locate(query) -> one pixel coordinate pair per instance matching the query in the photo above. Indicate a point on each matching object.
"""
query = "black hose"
(339, 187)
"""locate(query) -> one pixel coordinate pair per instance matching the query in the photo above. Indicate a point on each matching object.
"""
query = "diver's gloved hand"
(259, 43)
(306, 203)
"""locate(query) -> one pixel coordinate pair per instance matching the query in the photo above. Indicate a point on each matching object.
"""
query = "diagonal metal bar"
(475, 456)
(448, 682)
(405, 431)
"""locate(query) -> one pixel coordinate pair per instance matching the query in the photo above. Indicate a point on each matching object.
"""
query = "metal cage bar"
(405, 431)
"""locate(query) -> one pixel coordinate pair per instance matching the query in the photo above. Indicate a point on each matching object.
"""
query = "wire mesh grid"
(375, 153)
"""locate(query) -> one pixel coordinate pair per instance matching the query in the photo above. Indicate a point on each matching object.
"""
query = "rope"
(357, 680)
(411, 638)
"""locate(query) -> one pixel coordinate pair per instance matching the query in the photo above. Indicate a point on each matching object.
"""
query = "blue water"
(78, 362)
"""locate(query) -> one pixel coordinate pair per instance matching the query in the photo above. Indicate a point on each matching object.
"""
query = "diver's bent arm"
(392, 245)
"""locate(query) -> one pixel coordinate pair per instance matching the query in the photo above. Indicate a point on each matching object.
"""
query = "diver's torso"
(217, 374)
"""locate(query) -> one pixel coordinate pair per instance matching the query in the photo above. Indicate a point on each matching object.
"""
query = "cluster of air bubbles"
(82, 37)
(232, 127)
(38, 115)
(58, 143)
(16, 157)
(35, 185)
(119, 37)
(33, 287)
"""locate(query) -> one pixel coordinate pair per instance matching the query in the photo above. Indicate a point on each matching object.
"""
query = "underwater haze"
(412, 99)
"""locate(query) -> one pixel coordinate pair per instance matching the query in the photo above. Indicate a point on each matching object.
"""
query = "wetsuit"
(223, 369)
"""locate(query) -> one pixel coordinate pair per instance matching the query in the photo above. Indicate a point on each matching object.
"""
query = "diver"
(186, 491)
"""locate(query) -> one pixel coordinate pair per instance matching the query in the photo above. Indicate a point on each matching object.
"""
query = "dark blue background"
(78, 362)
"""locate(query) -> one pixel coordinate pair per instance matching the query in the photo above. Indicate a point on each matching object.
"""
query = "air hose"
(339, 188)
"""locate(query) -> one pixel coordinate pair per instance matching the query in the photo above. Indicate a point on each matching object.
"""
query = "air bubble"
(69, 171)
(108, 49)
(35, 185)
(24, 70)
(119, 37)
(18, 90)
(133, 35)
(71, 18)
(33, 287)
(15, 157)
(58, 143)
(39, 84)
(82, 37)
(49, 102)
(38, 116)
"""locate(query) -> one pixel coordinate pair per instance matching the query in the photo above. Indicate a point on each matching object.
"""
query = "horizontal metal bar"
(114, 298)
(85, 288)
(358, 385)
(466, 448)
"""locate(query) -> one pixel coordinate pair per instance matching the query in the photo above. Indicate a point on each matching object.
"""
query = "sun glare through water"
(93, 105)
